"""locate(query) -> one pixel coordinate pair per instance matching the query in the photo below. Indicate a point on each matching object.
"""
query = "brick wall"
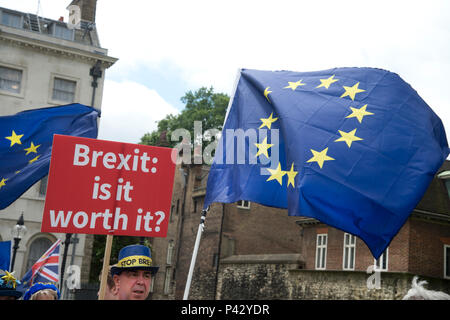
(427, 247)
(261, 230)
(160, 245)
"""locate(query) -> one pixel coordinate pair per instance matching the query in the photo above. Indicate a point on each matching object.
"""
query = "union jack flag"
(46, 269)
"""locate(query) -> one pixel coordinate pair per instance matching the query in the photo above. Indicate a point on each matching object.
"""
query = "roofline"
(75, 50)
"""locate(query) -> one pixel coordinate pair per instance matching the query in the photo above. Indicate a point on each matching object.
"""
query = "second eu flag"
(26, 143)
(354, 148)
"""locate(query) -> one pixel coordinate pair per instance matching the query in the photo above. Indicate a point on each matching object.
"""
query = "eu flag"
(26, 144)
(354, 148)
(5, 255)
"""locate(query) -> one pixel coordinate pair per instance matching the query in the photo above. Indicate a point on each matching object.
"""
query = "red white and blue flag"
(46, 269)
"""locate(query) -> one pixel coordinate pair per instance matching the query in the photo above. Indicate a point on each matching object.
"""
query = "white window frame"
(167, 280)
(19, 94)
(384, 255)
(446, 258)
(52, 85)
(348, 262)
(170, 247)
(321, 251)
(241, 204)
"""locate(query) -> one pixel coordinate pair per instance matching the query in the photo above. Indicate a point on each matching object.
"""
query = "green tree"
(202, 105)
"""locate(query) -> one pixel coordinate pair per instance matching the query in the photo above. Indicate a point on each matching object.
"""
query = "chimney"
(87, 7)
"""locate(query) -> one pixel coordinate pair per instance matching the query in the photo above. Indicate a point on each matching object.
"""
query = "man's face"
(133, 285)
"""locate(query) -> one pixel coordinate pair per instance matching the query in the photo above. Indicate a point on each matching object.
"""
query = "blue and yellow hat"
(134, 257)
(38, 287)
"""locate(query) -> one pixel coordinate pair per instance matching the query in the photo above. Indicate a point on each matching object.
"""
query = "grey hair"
(418, 292)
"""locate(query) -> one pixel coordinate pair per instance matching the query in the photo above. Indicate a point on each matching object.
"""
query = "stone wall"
(256, 277)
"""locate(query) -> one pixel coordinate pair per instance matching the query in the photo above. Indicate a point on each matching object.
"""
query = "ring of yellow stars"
(291, 176)
(359, 113)
(33, 160)
(32, 148)
(263, 148)
(348, 137)
(266, 93)
(294, 85)
(14, 138)
(276, 174)
(327, 82)
(8, 277)
(268, 121)
(320, 157)
(352, 91)
(3, 182)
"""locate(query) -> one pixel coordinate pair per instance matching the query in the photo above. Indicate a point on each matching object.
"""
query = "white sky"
(166, 48)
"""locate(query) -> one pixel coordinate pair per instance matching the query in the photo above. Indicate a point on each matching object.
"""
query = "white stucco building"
(44, 63)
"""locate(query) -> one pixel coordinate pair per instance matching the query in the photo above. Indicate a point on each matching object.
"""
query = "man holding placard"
(116, 189)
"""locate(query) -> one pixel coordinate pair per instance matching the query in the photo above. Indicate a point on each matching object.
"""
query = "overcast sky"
(166, 48)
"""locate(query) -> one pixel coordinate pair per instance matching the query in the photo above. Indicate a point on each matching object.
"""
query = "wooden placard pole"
(105, 269)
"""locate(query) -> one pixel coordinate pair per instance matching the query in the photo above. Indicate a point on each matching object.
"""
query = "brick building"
(249, 251)
(420, 247)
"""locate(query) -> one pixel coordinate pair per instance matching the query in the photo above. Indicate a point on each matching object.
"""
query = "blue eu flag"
(5, 255)
(354, 148)
(26, 144)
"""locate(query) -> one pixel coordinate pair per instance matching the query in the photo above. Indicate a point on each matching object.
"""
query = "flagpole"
(194, 253)
(105, 268)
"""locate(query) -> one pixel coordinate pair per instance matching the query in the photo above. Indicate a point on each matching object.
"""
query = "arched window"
(37, 249)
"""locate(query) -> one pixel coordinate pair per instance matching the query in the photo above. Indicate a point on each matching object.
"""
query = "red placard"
(106, 187)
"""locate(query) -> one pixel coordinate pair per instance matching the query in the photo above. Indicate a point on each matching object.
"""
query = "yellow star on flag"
(276, 174)
(266, 93)
(291, 176)
(33, 160)
(32, 148)
(359, 113)
(14, 138)
(327, 82)
(348, 137)
(3, 182)
(267, 121)
(320, 157)
(294, 85)
(352, 91)
(263, 148)
(8, 277)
